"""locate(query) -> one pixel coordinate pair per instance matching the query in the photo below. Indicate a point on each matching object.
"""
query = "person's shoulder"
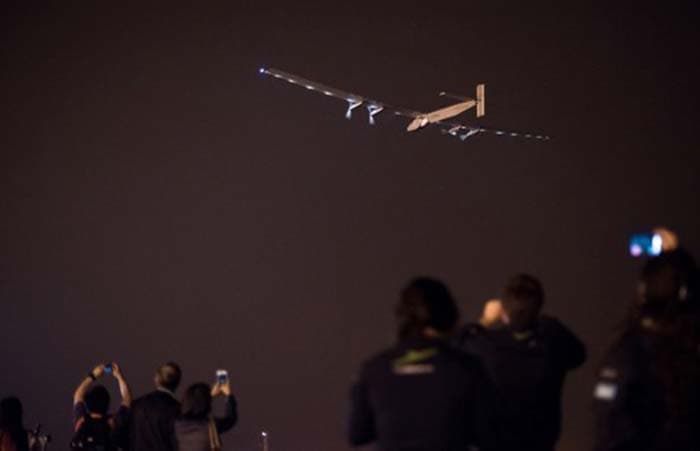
(470, 332)
(379, 358)
(461, 356)
(475, 338)
(154, 397)
(552, 330)
(143, 399)
(550, 325)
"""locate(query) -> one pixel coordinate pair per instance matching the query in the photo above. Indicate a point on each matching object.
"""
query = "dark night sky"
(160, 200)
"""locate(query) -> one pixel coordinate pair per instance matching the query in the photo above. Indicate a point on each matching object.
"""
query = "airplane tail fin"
(480, 100)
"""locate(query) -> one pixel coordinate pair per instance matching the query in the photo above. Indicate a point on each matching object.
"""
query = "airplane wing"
(374, 107)
(464, 131)
(354, 100)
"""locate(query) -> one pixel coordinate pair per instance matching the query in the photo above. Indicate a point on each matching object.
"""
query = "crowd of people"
(492, 385)
(157, 421)
(497, 384)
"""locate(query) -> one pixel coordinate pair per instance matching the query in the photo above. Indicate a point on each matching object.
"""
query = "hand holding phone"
(222, 382)
(108, 368)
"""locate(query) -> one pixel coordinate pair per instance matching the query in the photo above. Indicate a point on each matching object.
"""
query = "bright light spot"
(261, 70)
(635, 250)
(656, 242)
(264, 434)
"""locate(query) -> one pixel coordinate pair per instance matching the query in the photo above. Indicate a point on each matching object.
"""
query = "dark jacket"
(647, 396)
(528, 371)
(15, 439)
(192, 434)
(151, 422)
(421, 395)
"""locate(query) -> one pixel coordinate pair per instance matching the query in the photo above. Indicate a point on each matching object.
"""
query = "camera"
(221, 376)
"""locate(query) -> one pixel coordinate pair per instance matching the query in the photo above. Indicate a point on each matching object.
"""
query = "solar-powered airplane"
(441, 117)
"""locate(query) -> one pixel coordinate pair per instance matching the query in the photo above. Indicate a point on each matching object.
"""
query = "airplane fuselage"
(440, 115)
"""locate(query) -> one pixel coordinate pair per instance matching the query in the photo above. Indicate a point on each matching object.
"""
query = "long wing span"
(374, 107)
(464, 131)
(354, 100)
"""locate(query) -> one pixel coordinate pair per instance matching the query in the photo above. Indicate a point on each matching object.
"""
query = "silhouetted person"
(93, 427)
(13, 435)
(527, 356)
(153, 415)
(422, 394)
(196, 429)
(647, 397)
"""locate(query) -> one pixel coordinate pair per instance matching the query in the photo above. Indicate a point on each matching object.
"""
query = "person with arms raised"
(527, 355)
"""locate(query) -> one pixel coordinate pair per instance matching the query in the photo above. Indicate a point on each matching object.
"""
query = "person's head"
(522, 301)
(10, 413)
(168, 376)
(97, 400)
(426, 304)
(197, 401)
(664, 284)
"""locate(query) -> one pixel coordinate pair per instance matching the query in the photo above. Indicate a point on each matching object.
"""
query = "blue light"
(261, 70)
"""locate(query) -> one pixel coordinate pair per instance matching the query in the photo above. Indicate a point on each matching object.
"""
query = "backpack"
(92, 434)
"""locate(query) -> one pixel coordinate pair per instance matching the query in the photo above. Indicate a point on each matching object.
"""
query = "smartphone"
(645, 244)
(222, 376)
(108, 368)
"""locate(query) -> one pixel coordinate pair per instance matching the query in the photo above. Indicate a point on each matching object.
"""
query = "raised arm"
(124, 389)
(230, 417)
(79, 395)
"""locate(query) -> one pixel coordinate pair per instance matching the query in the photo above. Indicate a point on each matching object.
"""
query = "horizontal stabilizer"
(454, 96)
